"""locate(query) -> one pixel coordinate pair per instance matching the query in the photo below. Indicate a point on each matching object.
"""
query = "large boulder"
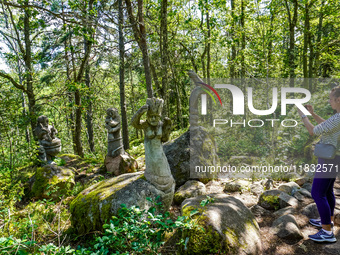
(189, 189)
(287, 228)
(120, 164)
(225, 226)
(52, 181)
(97, 204)
(184, 155)
(203, 154)
(178, 154)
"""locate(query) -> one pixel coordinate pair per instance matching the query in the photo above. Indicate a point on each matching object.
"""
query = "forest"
(71, 60)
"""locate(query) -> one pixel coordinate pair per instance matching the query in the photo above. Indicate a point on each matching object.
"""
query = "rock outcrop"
(226, 226)
(52, 181)
(97, 204)
(189, 189)
(184, 155)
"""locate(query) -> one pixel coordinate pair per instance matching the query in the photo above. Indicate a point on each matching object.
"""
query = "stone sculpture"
(157, 170)
(50, 145)
(117, 161)
(114, 138)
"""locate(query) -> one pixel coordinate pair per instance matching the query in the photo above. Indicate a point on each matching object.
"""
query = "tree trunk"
(89, 112)
(159, 89)
(121, 76)
(270, 49)
(291, 51)
(305, 41)
(28, 68)
(78, 80)
(178, 98)
(233, 48)
(318, 40)
(27, 132)
(139, 33)
(78, 143)
(164, 54)
(243, 40)
(208, 43)
(70, 94)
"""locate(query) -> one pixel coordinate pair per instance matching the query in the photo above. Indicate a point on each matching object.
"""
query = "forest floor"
(272, 244)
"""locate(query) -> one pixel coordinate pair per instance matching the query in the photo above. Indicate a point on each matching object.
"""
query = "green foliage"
(138, 231)
(131, 231)
(55, 250)
(60, 161)
(10, 245)
(138, 150)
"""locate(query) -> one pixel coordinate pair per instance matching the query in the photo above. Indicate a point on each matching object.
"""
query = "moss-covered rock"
(97, 204)
(189, 189)
(51, 181)
(270, 199)
(225, 226)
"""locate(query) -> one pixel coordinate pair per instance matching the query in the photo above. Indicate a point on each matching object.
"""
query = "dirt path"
(274, 245)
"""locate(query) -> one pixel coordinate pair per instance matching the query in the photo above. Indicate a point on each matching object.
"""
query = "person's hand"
(309, 108)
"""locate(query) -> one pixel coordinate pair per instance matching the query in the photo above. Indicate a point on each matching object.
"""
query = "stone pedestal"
(120, 164)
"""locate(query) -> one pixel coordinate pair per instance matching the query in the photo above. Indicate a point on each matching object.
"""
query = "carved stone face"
(153, 119)
(43, 120)
(111, 112)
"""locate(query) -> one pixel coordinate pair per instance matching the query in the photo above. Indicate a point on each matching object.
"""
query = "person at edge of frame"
(323, 182)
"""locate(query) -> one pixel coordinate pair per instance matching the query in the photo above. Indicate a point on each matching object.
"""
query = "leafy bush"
(60, 161)
(138, 231)
(132, 231)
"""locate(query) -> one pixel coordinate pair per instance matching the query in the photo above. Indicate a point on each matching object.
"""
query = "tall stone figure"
(157, 170)
(50, 145)
(114, 138)
(117, 161)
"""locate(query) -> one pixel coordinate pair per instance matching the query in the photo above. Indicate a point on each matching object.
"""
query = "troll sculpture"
(50, 145)
(157, 170)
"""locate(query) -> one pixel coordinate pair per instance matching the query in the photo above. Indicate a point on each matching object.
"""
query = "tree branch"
(8, 77)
